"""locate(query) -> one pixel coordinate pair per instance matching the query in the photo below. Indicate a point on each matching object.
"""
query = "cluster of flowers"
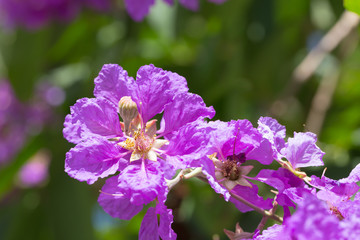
(20, 121)
(33, 14)
(148, 158)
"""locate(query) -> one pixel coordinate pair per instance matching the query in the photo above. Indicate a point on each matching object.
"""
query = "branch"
(183, 174)
(263, 212)
(343, 27)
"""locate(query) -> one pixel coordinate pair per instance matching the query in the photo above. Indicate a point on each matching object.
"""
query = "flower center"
(143, 143)
(231, 170)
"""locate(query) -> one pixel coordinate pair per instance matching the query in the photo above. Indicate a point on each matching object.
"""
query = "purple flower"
(139, 9)
(33, 14)
(231, 145)
(145, 156)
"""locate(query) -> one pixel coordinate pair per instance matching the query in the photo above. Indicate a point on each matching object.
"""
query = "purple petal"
(138, 9)
(115, 203)
(262, 153)
(280, 179)
(312, 221)
(353, 177)
(297, 194)
(90, 117)
(343, 189)
(350, 226)
(113, 83)
(301, 151)
(166, 217)
(149, 226)
(187, 145)
(272, 233)
(185, 108)
(93, 159)
(141, 183)
(251, 195)
(156, 88)
(274, 132)
(222, 133)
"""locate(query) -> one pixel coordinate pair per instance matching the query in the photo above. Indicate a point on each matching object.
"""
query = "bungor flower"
(144, 155)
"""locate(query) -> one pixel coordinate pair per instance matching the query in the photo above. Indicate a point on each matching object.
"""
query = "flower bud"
(128, 111)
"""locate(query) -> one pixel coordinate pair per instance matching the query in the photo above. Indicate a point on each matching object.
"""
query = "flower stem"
(183, 174)
(268, 214)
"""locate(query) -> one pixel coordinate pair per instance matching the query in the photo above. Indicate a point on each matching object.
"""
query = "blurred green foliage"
(238, 56)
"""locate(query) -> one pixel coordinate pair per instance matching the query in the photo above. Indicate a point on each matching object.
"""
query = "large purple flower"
(36, 13)
(138, 9)
(144, 155)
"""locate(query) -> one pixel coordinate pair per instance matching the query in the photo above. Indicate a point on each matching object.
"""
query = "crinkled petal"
(301, 150)
(185, 108)
(350, 226)
(312, 221)
(166, 217)
(188, 145)
(272, 233)
(297, 194)
(274, 132)
(156, 88)
(251, 195)
(342, 189)
(263, 153)
(91, 117)
(93, 159)
(353, 177)
(113, 83)
(141, 183)
(280, 179)
(115, 203)
(149, 226)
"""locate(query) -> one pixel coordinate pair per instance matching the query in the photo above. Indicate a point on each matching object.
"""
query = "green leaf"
(352, 5)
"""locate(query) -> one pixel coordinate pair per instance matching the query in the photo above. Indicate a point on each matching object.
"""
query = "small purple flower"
(145, 156)
(139, 9)
(231, 145)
